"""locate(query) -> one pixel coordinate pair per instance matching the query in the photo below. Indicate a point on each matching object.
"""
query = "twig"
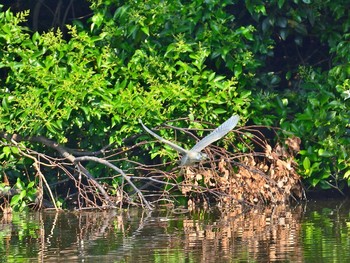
(126, 177)
(37, 168)
(63, 151)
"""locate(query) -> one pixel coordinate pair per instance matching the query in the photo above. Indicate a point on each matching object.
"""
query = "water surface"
(317, 231)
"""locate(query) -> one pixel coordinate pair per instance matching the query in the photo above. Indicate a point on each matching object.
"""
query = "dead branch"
(127, 178)
(64, 152)
(229, 177)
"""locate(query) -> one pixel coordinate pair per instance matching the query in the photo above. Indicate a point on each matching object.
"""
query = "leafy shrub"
(308, 99)
(323, 124)
(172, 60)
(90, 90)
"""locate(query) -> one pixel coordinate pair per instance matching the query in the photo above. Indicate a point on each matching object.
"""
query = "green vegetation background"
(279, 63)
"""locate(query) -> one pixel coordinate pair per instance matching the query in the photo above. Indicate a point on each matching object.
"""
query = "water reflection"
(311, 232)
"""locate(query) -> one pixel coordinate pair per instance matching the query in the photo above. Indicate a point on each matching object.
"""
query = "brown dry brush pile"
(233, 178)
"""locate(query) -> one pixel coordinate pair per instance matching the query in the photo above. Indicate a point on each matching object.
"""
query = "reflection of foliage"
(310, 234)
(327, 230)
(260, 235)
(18, 233)
(165, 236)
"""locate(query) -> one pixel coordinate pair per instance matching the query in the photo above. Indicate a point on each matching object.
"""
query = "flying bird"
(194, 155)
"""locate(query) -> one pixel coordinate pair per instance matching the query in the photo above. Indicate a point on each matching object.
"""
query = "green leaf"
(282, 22)
(306, 163)
(347, 174)
(145, 29)
(314, 181)
(23, 194)
(31, 184)
(5, 104)
(154, 155)
(97, 20)
(14, 150)
(284, 34)
(15, 200)
(280, 3)
(219, 111)
(260, 9)
(7, 151)
(19, 184)
(325, 153)
(238, 70)
(346, 94)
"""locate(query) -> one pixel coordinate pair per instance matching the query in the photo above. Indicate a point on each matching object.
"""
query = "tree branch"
(126, 177)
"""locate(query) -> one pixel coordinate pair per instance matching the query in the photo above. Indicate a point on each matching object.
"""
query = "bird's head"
(193, 157)
(197, 156)
(203, 156)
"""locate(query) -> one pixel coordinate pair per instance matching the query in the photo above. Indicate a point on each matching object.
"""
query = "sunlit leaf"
(219, 111)
(15, 200)
(306, 163)
(325, 153)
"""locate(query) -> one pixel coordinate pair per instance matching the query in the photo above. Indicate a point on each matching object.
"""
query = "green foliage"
(61, 79)
(173, 53)
(11, 165)
(90, 90)
(50, 83)
(178, 28)
(324, 125)
(165, 60)
(26, 195)
(83, 87)
(316, 106)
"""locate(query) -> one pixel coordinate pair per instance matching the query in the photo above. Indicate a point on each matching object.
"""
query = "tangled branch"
(228, 178)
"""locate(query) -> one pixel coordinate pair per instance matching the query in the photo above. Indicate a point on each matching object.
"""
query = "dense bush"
(90, 90)
(307, 90)
(279, 63)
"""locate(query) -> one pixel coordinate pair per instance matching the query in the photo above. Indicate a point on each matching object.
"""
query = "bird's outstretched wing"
(216, 134)
(172, 145)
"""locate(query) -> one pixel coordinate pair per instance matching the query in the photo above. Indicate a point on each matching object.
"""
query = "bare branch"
(127, 178)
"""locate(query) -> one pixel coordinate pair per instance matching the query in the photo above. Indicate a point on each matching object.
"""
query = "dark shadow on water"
(316, 231)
